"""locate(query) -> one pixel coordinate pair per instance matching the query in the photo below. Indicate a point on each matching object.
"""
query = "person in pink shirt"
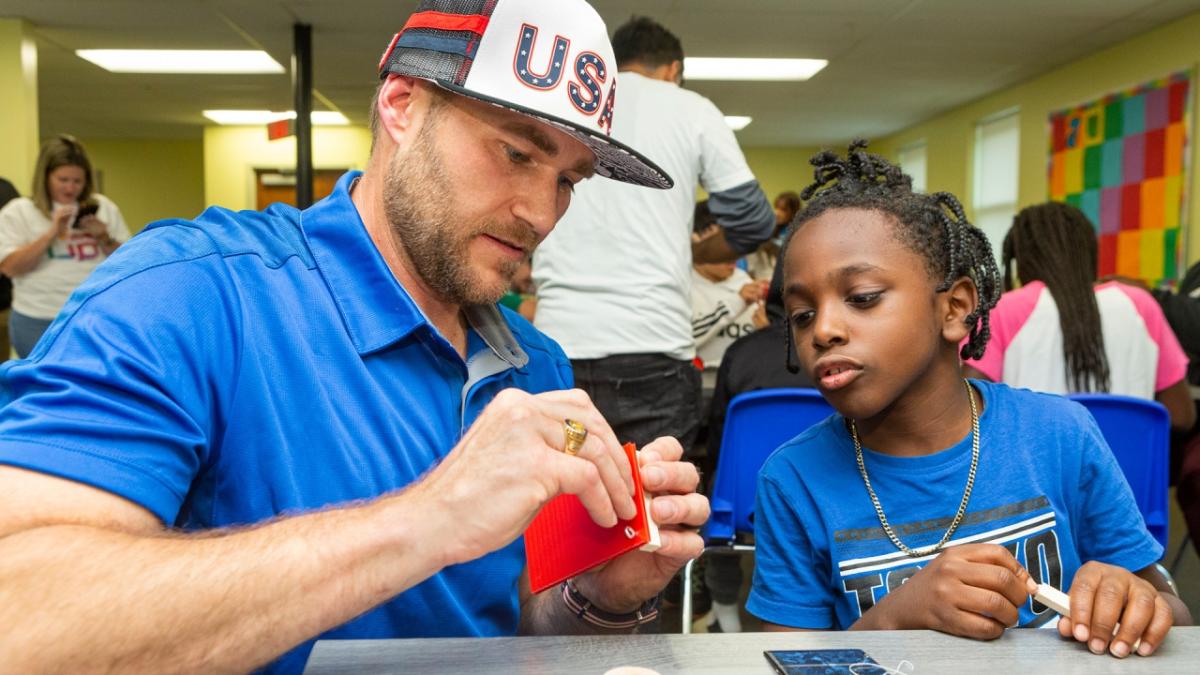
(1061, 332)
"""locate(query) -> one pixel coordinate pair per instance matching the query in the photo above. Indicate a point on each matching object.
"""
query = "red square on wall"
(1059, 134)
(1176, 101)
(1156, 145)
(1107, 261)
(1131, 206)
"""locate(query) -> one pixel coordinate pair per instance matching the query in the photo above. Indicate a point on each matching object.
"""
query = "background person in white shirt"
(614, 280)
(45, 248)
(726, 305)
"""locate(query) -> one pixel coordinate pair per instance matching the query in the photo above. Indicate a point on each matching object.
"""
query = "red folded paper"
(563, 540)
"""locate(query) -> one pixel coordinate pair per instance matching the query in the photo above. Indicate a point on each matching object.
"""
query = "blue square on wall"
(1134, 114)
(1111, 168)
(1089, 203)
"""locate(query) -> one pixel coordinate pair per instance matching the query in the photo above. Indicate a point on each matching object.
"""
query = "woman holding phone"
(51, 242)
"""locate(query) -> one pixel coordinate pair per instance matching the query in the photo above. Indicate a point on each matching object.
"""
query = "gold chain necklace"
(962, 507)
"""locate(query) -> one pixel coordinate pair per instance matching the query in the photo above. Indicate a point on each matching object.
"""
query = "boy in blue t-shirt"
(928, 501)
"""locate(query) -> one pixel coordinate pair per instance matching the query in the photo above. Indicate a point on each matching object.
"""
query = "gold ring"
(573, 437)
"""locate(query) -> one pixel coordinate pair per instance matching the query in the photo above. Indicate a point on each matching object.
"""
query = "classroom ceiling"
(893, 63)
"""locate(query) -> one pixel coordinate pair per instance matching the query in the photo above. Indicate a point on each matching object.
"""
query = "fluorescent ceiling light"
(253, 117)
(738, 122)
(703, 68)
(181, 60)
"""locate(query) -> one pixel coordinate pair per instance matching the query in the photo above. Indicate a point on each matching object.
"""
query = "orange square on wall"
(1129, 253)
(1153, 198)
(1058, 186)
(1173, 160)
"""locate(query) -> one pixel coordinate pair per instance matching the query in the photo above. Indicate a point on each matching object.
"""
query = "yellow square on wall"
(1073, 170)
(1152, 254)
(1172, 201)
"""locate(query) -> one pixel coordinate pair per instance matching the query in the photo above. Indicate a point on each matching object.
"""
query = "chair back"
(1139, 432)
(756, 423)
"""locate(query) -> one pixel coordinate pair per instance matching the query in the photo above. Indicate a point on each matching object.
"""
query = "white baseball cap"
(548, 59)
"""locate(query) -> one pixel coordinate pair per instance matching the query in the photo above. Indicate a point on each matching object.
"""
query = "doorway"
(279, 185)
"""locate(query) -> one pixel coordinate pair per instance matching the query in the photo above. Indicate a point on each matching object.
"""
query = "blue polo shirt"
(227, 370)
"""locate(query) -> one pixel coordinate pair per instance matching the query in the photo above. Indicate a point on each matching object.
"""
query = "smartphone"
(823, 662)
(89, 209)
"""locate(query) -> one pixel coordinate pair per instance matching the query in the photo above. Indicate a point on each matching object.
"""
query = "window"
(912, 162)
(997, 150)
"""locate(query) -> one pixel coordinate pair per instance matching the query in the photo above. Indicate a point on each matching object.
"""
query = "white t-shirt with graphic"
(719, 316)
(42, 292)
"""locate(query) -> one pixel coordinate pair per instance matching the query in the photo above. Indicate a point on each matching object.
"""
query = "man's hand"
(625, 583)
(973, 590)
(511, 462)
(1103, 596)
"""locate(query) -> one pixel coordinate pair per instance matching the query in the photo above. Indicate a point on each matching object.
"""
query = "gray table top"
(1019, 651)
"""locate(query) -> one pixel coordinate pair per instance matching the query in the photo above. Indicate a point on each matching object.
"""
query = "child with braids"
(1060, 332)
(929, 501)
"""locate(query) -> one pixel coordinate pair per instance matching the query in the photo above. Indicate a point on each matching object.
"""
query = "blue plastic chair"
(756, 424)
(1139, 433)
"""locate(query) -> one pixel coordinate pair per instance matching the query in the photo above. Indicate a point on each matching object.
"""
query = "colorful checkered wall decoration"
(1122, 160)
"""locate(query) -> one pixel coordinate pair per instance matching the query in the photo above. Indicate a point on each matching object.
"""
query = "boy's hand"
(1103, 596)
(973, 590)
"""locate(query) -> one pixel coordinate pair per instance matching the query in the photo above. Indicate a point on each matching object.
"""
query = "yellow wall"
(150, 179)
(1149, 56)
(18, 104)
(780, 169)
(231, 154)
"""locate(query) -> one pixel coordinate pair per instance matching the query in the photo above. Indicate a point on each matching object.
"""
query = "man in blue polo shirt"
(254, 429)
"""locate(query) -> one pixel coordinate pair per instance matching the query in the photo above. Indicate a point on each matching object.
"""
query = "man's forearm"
(82, 598)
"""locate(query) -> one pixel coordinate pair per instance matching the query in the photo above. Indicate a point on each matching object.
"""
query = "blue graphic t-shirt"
(1047, 488)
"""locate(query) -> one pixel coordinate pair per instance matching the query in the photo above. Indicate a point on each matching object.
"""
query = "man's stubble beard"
(418, 199)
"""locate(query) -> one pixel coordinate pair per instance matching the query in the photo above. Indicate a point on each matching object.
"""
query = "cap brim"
(614, 159)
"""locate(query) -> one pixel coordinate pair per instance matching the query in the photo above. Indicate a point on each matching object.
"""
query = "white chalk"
(1054, 599)
(655, 542)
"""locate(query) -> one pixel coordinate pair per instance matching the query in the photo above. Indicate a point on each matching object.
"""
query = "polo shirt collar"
(376, 310)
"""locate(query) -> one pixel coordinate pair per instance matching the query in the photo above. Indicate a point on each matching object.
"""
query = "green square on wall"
(1170, 254)
(1076, 199)
(1114, 125)
(1093, 166)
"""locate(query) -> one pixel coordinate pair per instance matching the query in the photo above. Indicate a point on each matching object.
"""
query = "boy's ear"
(955, 305)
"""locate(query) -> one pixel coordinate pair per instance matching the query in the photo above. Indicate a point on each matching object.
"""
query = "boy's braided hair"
(934, 226)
